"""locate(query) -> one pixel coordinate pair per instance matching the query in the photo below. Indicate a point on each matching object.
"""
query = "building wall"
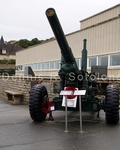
(7, 56)
(44, 52)
(7, 66)
(12, 56)
(102, 32)
(101, 39)
(101, 17)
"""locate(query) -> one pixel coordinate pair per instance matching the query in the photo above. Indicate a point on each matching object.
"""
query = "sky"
(26, 19)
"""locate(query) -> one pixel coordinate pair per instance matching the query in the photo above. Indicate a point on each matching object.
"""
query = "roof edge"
(99, 13)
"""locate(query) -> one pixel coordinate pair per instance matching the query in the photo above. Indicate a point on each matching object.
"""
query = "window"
(42, 65)
(52, 65)
(34, 66)
(46, 65)
(18, 68)
(103, 60)
(78, 62)
(39, 66)
(3, 51)
(57, 65)
(92, 61)
(115, 60)
(24, 67)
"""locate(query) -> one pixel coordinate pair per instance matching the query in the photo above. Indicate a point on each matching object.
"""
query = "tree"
(35, 41)
(26, 43)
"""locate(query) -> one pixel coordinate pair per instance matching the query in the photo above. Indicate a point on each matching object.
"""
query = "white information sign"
(66, 93)
(70, 102)
(80, 92)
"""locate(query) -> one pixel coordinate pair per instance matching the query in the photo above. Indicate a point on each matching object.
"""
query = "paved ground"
(19, 132)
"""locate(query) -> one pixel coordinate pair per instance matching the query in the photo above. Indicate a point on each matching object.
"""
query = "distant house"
(8, 56)
(8, 50)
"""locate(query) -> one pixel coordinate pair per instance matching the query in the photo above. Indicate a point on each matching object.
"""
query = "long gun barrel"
(59, 34)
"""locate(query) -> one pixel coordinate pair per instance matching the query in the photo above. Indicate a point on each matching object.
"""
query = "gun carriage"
(71, 78)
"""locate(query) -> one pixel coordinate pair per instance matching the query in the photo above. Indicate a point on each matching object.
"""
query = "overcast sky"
(26, 19)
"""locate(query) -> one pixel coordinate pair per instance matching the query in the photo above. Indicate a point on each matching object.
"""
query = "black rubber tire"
(37, 95)
(112, 105)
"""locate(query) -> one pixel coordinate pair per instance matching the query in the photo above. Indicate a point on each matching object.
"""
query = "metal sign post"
(66, 93)
(66, 119)
(80, 114)
(79, 93)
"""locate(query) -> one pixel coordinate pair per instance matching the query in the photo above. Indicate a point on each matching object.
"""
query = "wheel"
(38, 95)
(112, 105)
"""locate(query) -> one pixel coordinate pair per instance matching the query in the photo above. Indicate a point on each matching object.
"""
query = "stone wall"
(23, 85)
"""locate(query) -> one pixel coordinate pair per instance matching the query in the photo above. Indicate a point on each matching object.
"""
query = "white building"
(102, 32)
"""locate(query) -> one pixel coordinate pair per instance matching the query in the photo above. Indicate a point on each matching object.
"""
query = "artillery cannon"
(71, 78)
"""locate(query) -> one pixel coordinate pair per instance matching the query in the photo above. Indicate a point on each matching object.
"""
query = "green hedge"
(7, 61)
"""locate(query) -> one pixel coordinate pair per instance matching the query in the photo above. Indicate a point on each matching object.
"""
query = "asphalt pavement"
(19, 132)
